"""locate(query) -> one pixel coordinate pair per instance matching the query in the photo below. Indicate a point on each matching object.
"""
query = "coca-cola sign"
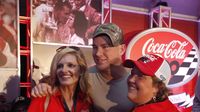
(176, 47)
(181, 53)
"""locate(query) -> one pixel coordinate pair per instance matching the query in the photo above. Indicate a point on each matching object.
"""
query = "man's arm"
(42, 89)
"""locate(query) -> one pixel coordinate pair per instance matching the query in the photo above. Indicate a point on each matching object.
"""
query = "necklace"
(75, 97)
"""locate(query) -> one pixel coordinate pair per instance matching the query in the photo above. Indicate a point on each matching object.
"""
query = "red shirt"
(165, 106)
(56, 105)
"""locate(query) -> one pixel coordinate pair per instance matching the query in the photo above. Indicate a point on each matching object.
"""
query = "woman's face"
(140, 87)
(68, 70)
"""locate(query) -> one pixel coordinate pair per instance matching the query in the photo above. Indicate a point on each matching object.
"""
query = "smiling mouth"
(132, 87)
(64, 76)
(100, 61)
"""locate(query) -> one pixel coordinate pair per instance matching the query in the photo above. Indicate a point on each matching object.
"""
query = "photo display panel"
(64, 21)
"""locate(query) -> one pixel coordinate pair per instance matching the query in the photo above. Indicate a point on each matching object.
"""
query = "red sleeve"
(37, 105)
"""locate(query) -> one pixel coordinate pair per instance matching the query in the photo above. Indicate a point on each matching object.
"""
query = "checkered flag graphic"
(187, 68)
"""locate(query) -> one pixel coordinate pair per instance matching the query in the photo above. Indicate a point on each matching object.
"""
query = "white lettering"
(174, 49)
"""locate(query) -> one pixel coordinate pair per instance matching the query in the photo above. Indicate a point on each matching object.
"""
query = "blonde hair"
(84, 85)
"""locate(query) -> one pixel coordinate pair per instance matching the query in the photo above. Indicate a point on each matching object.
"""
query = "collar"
(157, 107)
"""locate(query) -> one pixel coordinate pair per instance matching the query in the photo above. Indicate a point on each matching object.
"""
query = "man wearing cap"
(108, 78)
(147, 84)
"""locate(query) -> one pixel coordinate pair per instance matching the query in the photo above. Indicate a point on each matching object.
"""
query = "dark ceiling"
(186, 9)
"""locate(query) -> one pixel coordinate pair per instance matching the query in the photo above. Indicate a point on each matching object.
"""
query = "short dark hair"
(59, 5)
(106, 38)
(80, 23)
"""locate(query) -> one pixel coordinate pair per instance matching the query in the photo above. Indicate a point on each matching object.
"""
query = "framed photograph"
(8, 33)
(65, 21)
(10, 79)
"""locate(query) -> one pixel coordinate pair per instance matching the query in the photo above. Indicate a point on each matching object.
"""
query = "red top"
(165, 106)
(56, 105)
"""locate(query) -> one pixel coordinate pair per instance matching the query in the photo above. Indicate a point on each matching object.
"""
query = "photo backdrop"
(9, 81)
(63, 21)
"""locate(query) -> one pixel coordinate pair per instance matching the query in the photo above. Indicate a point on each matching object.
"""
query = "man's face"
(64, 14)
(104, 54)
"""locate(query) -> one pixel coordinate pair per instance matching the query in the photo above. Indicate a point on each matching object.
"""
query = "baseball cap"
(112, 31)
(151, 65)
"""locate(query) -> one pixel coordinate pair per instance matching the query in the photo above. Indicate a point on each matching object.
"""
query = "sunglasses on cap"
(71, 47)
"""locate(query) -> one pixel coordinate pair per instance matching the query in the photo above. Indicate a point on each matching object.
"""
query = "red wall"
(133, 23)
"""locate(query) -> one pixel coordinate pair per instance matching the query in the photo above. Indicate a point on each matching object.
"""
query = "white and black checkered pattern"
(187, 68)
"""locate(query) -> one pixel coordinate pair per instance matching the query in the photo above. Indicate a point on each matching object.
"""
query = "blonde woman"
(67, 76)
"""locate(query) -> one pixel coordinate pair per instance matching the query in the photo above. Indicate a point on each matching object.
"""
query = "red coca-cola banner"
(181, 53)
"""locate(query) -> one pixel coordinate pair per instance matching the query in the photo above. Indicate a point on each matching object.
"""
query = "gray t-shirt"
(109, 96)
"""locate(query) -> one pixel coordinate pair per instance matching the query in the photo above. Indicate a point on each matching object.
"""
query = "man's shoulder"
(93, 69)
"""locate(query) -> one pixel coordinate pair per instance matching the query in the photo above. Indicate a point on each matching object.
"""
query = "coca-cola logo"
(168, 50)
(176, 47)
